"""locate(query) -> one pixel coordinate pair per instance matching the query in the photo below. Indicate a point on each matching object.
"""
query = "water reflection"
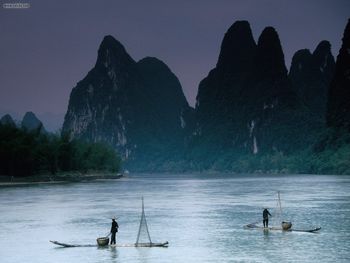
(266, 234)
(114, 253)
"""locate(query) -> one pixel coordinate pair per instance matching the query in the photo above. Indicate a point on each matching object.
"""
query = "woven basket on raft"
(102, 241)
(286, 225)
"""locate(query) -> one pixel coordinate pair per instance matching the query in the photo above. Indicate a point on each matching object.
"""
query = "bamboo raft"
(103, 241)
(254, 226)
(165, 244)
(286, 226)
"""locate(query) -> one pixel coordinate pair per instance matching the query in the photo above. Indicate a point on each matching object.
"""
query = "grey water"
(202, 217)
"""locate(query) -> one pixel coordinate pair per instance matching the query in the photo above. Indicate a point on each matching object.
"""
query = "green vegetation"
(330, 155)
(27, 153)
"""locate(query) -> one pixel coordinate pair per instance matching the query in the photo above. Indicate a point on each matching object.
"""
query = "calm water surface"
(202, 217)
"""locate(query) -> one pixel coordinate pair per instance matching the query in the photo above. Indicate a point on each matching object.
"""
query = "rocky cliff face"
(338, 109)
(223, 85)
(165, 94)
(271, 99)
(311, 74)
(219, 100)
(246, 103)
(136, 107)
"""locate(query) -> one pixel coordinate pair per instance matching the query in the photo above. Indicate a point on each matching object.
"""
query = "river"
(202, 217)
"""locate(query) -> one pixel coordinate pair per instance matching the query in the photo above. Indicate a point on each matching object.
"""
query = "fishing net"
(279, 216)
(143, 236)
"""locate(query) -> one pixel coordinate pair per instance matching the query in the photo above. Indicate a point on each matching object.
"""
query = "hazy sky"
(46, 49)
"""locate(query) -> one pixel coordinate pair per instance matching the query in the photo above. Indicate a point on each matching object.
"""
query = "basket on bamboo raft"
(286, 225)
(102, 241)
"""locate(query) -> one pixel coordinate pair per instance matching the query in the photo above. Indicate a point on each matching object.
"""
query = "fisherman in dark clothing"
(114, 230)
(266, 215)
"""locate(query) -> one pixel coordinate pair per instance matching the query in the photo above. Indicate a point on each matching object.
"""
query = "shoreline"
(58, 178)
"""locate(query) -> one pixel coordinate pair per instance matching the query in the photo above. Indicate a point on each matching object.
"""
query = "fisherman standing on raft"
(266, 215)
(114, 230)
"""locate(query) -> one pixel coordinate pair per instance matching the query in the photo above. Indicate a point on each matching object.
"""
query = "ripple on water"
(202, 216)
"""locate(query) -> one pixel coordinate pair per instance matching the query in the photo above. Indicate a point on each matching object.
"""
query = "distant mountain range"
(29, 122)
(249, 95)
(250, 111)
(51, 121)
